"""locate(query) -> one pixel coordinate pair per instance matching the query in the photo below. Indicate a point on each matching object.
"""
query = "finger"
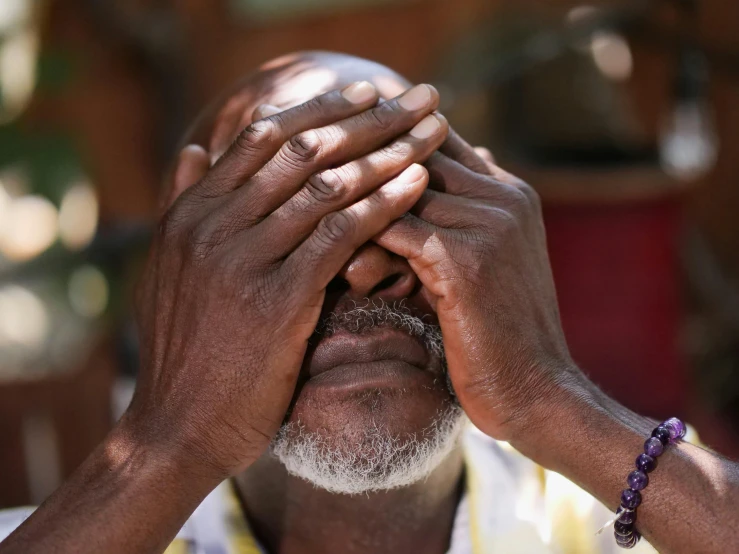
(319, 149)
(408, 236)
(486, 155)
(337, 188)
(411, 236)
(340, 234)
(450, 211)
(263, 111)
(261, 140)
(450, 176)
(460, 151)
(237, 119)
(192, 165)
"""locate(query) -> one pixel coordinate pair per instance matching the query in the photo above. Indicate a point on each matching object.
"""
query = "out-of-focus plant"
(47, 204)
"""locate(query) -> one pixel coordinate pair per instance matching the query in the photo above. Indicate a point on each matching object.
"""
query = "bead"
(627, 517)
(630, 498)
(637, 480)
(645, 463)
(653, 447)
(626, 542)
(676, 427)
(623, 529)
(663, 434)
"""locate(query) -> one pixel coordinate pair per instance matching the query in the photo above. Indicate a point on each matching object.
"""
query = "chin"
(388, 427)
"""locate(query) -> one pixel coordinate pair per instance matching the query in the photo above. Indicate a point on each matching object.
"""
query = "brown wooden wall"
(120, 103)
(115, 107)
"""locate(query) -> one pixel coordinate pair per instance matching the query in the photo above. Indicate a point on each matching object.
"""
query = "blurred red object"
(617, 275)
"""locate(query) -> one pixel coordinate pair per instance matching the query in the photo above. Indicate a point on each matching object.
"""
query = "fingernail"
(426, 128)
(266, 110)
(411, 175)
(359, 93)
(416, 98)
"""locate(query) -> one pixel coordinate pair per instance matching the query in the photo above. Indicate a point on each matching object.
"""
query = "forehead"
(286, 83)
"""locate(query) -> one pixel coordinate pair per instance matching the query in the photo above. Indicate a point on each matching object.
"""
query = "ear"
(192, 165)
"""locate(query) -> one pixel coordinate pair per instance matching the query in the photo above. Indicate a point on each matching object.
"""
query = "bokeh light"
(612, 55)
(18, 55)
(580, 14)
(28, 227)
(88, 291)
(13, 13)
(689, 143)
(24, 319)
(78, 216)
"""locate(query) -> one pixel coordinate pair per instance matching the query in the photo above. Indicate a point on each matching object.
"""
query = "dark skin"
(237, 281)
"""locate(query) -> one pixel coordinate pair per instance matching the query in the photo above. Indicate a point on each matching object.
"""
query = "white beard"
(375, 461)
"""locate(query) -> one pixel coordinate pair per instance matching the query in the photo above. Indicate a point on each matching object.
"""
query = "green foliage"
(54, 71)
(269, 10)
(50, 160)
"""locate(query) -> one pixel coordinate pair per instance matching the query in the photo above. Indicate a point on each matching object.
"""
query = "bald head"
(285, 82)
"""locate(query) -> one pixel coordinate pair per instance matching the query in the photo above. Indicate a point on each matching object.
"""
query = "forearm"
(692, 501)
(124, 498)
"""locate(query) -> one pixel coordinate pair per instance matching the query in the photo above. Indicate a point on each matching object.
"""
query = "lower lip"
(367, 375)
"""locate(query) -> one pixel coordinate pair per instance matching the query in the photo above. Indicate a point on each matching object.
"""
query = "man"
(320, 316)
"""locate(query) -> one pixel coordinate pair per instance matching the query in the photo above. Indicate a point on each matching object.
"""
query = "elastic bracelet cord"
(663, 435)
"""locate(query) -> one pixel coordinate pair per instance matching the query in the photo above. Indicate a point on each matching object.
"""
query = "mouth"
(377, 358)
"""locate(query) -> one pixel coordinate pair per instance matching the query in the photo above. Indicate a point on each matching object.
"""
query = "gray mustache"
(381, 314)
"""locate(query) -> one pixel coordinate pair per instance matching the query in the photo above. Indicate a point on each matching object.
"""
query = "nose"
(374, 273)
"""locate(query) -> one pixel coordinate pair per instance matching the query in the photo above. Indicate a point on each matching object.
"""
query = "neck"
(291, 516)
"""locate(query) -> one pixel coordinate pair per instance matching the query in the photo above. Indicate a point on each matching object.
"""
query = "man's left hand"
(478, 245)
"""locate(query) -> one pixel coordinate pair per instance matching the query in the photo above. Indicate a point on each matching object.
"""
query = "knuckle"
(303, 148)
(255, 136)
(172, 221)
(531, 195)
(202, 241)
(336, 227)
(320, 105)
(326, 187)
(165, 225)
(380, 117)
(260, 293)
(517, 198)
(400, 150)
(381, 202)
(506, 223)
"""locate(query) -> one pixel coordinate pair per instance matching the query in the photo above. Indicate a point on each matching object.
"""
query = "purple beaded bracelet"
(665, 433)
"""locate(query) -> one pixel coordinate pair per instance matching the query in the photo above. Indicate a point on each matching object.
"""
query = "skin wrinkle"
(377, 399)
(237, 368)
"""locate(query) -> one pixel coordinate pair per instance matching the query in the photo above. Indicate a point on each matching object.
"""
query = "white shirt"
(510, 506)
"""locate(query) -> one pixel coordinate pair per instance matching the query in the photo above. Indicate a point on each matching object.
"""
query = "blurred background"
(624, 115)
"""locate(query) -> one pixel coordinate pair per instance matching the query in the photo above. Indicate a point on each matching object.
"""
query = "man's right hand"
(236, 278)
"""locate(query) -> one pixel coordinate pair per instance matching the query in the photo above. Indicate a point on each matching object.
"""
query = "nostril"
(386, 283)
(337, 285)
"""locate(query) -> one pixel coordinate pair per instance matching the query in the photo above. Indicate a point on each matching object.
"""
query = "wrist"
(550, 399)
(132, 449)
(562, 407)
(574, 416)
